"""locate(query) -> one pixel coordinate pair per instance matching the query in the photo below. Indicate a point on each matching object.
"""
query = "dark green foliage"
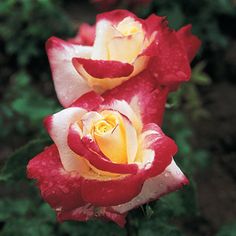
(25, 26)
(15, 166)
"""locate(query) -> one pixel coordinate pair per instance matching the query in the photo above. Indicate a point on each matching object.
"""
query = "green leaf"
(149, 212)
(199, 77)
(15, 167)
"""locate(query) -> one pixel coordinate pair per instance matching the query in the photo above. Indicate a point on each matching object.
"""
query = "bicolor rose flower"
(108, 155)
(119, 47)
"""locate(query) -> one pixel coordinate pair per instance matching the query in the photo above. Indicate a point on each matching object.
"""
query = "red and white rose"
(117, 48)
(108, 158)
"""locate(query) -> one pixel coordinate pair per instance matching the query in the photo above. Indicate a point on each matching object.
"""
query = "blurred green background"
(200, 117)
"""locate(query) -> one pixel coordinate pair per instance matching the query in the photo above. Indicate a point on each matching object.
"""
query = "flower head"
(117, 48)
(102, 145)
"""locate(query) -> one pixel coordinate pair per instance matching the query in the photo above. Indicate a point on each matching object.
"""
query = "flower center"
(102, 127)
(110, 136)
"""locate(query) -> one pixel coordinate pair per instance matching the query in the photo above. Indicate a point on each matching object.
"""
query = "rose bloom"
(119, 47)
(108, 155)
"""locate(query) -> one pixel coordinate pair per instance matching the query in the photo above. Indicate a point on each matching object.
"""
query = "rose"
(122, 47)
(108, 157)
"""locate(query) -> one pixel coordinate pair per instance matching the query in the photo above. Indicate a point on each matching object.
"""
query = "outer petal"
(154, 23)
(87, 212)
(164, 149)
(103, 69)
(61, 189)
(68, 83)
(170, 65)
(88, 101)
(58, 127)
(85, 35)
(170, 180)
(143, 95)
(190, 42)
(112, 192)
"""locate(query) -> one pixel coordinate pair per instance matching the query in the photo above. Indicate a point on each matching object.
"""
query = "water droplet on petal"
(155, 75)
(167, 174)
(58, 209)
(64, 189)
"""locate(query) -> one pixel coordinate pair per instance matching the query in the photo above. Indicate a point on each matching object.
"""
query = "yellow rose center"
(109, 134)
(102, 127)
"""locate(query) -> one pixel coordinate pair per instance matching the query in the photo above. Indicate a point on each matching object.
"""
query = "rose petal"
(59, 188)
(88, 101)
(62, 190)
(168, 181)
(190, 42)
(130, 47)
(101, 69)
(85, 35)
(170, 66)
(124, 109)
(58, 127)
(87, 212)
(111, 192)
(164, 149)
(142, 94)
(68, 83)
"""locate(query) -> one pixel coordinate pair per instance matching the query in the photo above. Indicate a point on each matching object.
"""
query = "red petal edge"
(101, 69)
(61, 189)
(85, 35)
(190, 42)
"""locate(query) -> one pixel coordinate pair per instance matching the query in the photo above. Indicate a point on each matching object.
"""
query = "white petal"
(60, 124)
(68, 83)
